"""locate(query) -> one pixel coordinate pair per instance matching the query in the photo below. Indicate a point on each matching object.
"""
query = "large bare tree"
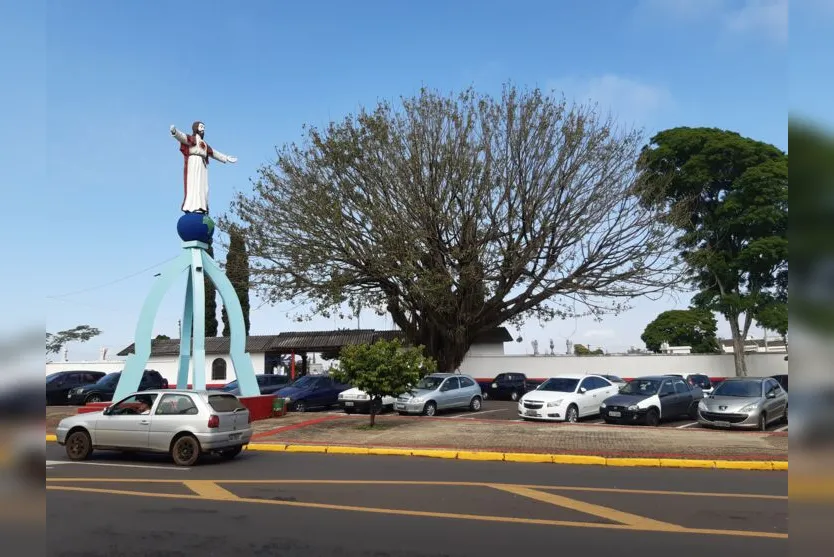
(457, 214)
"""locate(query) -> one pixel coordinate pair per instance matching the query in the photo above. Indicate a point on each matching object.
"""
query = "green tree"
(384, 368)
(683, 327)
(456, 215)
(728, 194)
(237, 269)
(211, 323)
(582, 350)
(81, 333)
(162, 337)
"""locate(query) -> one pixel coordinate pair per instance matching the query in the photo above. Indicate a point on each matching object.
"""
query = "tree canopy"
(384, 368)
(80, 333)
(458, 214)
(728, 194)
(683, 327)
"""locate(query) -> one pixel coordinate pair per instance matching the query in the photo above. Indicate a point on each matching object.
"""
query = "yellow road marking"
(210, 490)
(589, 508)
(429, 483)
(426, 514)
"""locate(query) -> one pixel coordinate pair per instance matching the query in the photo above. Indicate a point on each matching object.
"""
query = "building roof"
(302, 341)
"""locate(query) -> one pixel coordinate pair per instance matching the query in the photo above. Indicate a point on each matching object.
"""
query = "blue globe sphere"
(195, 227)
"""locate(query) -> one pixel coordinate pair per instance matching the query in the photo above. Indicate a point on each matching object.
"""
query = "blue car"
(312, 391)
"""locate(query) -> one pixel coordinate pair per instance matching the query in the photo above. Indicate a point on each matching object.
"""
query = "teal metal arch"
(196, 261)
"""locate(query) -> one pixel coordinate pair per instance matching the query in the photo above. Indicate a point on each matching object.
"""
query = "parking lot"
(506, 410)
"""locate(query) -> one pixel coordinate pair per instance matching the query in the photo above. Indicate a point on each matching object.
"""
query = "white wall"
(107, 366)
(490, 349)
(719, 365)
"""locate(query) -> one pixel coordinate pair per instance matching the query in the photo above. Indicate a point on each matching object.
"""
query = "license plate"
(401, 407)
(614, 414)
(234, 436)
(722, 424)
(348, 403)
(531, 413)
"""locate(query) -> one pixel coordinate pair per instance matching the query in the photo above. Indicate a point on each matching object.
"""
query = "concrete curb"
(776, 465)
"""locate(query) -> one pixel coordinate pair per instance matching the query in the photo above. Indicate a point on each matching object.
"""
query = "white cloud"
(630, 101)
(765, 17)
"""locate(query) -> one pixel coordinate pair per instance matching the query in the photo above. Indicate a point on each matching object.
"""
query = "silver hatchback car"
(440, 391)
(744, 403)
(183, 423)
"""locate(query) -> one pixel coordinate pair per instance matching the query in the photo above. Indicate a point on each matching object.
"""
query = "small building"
(277, 353)
(757, 345)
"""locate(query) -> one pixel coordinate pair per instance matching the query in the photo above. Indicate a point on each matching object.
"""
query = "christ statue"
(195, 172)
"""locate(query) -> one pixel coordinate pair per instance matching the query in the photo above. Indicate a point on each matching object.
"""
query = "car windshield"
(744, 389)
(646, 387)
(230, 386)
(429, 383)
(559, 385)
(108, 379)
(305, 382)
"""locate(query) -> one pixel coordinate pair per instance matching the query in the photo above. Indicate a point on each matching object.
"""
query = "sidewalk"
(546, 438)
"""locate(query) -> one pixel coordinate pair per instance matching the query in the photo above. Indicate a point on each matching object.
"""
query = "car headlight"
(633, 407)
(603, 405)
(750, 407)
(554, 403)
(416, 399)
(362, 397)
(341, 396)
(702, 406)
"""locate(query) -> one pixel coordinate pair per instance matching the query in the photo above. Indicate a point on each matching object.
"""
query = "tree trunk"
(738, 347)
(372, 411)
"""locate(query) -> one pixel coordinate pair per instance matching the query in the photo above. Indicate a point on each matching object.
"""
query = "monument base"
(260, 407)
(93, 407)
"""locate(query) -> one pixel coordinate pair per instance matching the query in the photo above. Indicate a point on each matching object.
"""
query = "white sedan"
(356, 400)
(566, 398)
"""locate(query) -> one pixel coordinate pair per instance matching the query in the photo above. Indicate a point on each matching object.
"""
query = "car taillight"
(214, 421)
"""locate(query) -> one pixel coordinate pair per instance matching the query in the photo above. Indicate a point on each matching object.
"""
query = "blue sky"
(101, 82)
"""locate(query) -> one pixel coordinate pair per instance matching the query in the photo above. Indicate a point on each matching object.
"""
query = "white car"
(356, 400)
(566, 398)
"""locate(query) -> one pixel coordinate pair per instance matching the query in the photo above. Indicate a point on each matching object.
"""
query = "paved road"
(322, 505)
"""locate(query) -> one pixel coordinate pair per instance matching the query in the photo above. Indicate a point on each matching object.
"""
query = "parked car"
(268, 383)
(59, 384)
(440, 391)
(745, 403)
(507, 386)
(696, 380)
(650, 400)
(104, 389)
(566, 398)
(782, 380)
(186, 424)
(311, 391)
(356, 400)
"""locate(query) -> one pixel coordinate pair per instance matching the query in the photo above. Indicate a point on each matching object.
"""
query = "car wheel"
(763, 421)
(653, 418)
(299, 406)
(430, 409)
(229, 454)
(79, 445)
(484, 395)
(95, 397)
(514, 396)
(572, 415)
(185, 451)
(475, 405)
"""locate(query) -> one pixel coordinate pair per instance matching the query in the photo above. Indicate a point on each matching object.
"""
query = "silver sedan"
(183, 423)
(745, 403)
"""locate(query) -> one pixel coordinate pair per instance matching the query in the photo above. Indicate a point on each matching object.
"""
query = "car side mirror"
(583, 390)
(771, 394)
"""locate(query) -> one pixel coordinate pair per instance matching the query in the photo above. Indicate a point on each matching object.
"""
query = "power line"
(113, 281)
